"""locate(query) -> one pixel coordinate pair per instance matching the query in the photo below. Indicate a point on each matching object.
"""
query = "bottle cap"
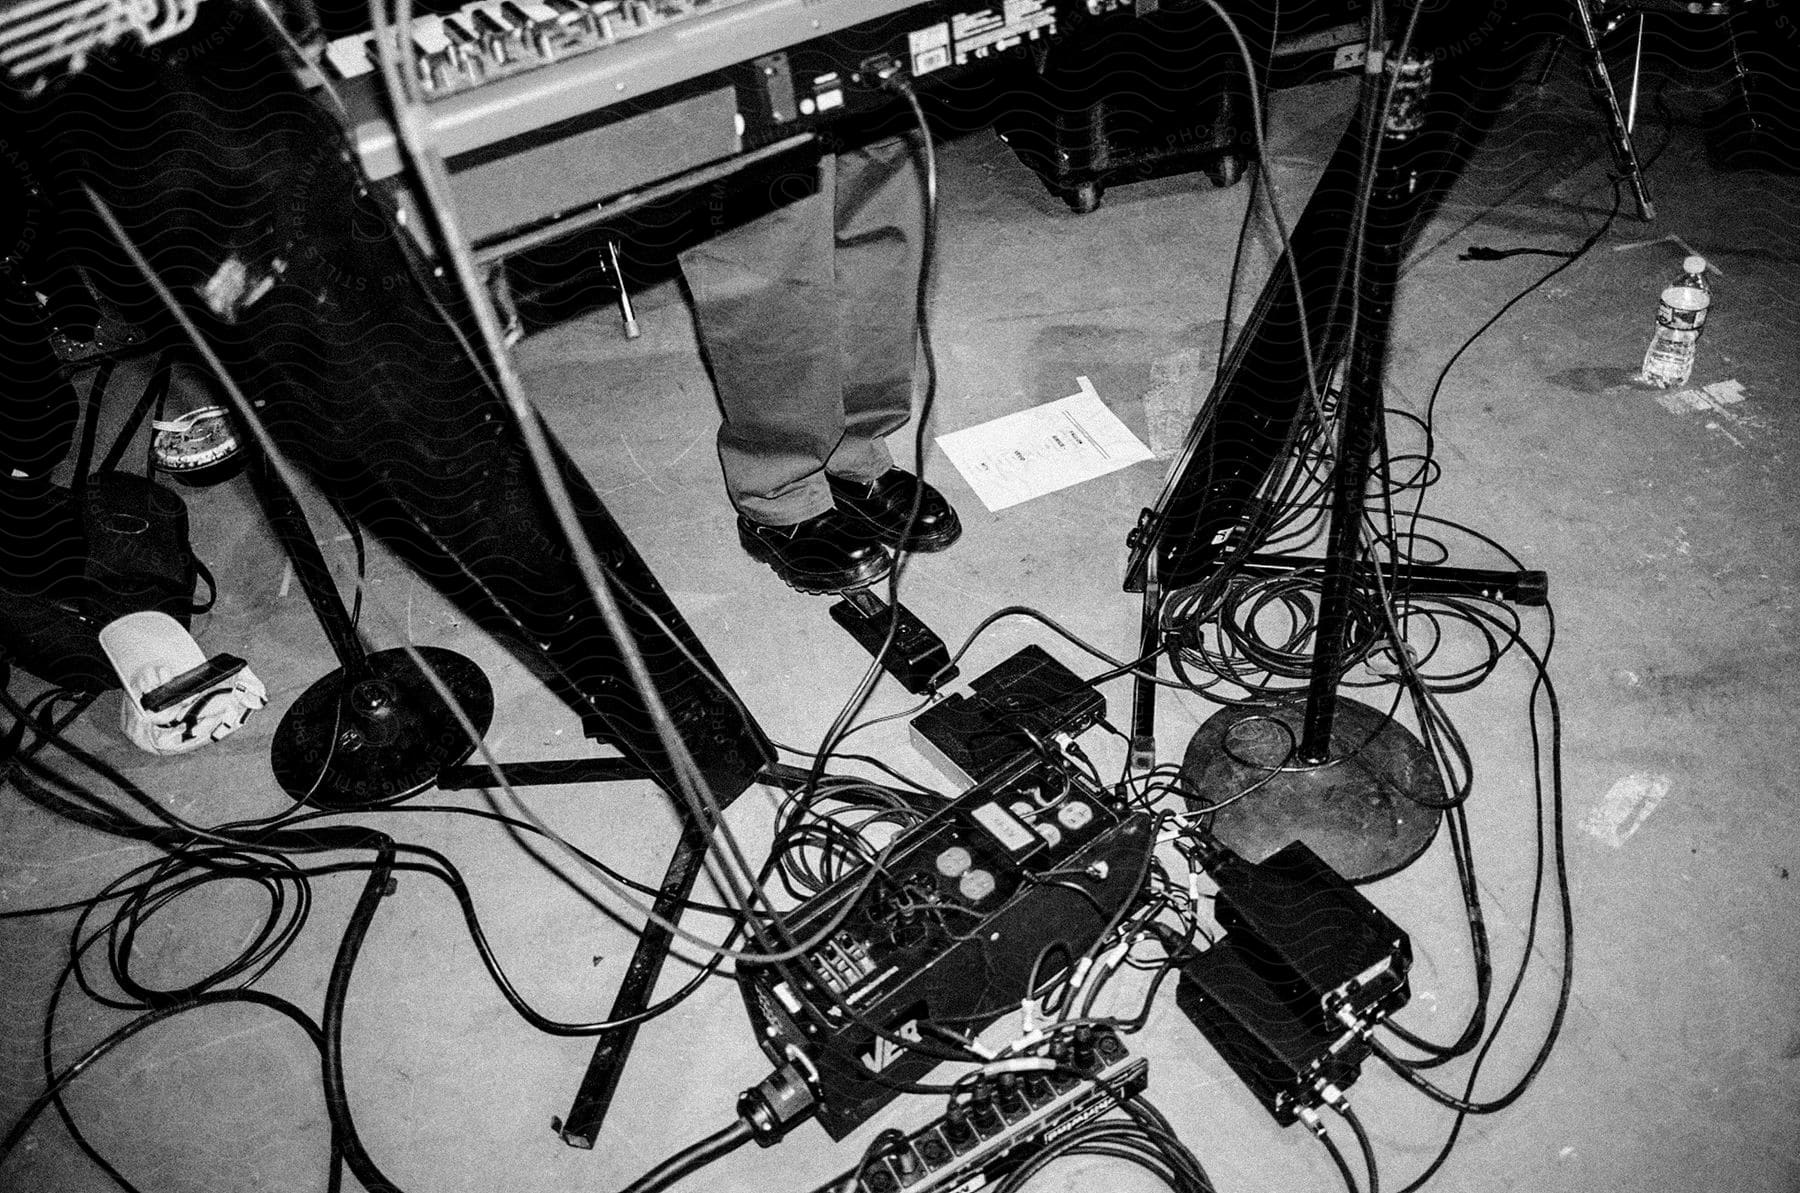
(1695, 264)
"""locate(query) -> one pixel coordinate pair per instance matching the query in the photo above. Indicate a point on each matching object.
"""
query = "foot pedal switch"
(917, 657)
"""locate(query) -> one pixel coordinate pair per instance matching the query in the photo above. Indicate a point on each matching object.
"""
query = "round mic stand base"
(347, 745)
(1364, 810)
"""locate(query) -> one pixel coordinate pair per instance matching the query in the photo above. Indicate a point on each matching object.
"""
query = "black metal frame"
(1201, 522)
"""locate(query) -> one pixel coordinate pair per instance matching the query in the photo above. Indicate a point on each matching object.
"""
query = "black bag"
(138, 558)
(78, 560)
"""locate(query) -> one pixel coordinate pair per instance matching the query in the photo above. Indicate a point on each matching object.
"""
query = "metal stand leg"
(594, 1097)
(1624, 152)
(607, 1065)
(1143, 688)
(618, 276)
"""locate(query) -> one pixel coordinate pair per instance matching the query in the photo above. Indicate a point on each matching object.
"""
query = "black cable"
(362, 560)
(693, 1158)
(81, 941)
(337, 990)
(62, 1080)
(1143, 1138)
(222, 856)
(840, 725)
(36, 716)
(181, 833)
(1348, 1113)
(444, 871)
(1265, 89)
(1552, 790)
(1336, 1153)
(1580, 251)
(1481, 252)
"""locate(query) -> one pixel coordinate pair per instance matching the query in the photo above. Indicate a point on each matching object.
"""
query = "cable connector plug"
(773, 1105)
(955, 1039)
(1016, 1064)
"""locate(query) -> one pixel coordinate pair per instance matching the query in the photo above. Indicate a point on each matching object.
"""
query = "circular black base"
(1360, 811)
(384, 738)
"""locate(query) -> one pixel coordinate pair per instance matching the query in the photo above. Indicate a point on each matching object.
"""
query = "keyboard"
(544, 107)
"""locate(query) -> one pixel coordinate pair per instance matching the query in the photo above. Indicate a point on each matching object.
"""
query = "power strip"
(977, 1142)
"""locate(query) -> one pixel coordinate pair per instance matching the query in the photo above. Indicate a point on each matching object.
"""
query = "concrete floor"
(1669, 539)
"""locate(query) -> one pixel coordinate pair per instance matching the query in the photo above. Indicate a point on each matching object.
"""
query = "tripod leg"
(601, 1081)
(1143, 688)
(627, 315)
(1624, 152)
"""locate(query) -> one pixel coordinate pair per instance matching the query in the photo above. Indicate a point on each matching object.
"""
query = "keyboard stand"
(593, 1098)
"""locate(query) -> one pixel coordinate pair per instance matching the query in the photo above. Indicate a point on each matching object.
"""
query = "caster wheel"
(1226, 170)
(1084, 197)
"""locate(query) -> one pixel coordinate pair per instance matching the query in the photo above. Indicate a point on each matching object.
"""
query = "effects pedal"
(916, 657)
(1029, 696)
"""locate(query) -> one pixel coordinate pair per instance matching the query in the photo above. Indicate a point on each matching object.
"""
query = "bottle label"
(1682, 308)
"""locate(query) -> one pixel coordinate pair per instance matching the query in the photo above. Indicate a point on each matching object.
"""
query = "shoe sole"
(813, 583)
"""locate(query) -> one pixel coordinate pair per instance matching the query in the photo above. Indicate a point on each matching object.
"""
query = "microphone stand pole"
(1361, 790)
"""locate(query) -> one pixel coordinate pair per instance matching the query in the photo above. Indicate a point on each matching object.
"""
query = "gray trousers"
(807, 319)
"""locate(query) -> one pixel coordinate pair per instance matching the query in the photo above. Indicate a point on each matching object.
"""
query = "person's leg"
(764, 305)
(880, 242)
(880, 251)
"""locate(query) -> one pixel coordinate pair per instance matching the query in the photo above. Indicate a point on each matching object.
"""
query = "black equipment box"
(1029, 696)
(1306, 968)
(1116, 102)
(1292, 914)
(1280, 1054)
(1168, 92)
(949, 931)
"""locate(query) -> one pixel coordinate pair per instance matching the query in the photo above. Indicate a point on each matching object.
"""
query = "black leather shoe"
(829, 553)
(882, 506)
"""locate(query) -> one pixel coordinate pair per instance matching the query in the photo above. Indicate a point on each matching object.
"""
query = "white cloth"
(149, 649)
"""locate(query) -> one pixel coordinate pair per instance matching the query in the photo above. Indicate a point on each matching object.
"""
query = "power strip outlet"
(979, 1140)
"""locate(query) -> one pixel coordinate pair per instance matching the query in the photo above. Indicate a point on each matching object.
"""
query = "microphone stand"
(374, 730)
(1360, 789)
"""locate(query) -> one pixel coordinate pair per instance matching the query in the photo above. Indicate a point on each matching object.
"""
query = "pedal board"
(972, 1145)
(948, 931)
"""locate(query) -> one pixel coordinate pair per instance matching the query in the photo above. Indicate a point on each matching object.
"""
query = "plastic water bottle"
(1680, 316)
